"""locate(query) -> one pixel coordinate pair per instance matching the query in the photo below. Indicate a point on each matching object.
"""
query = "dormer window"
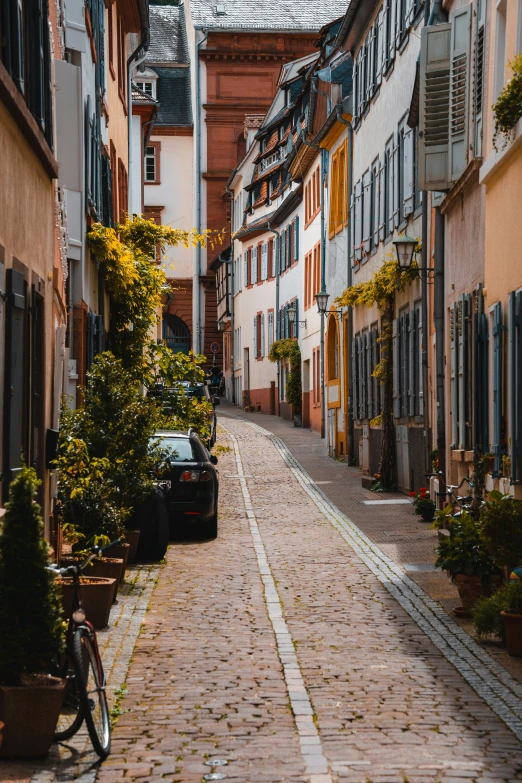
(148, 86)
(221, 9)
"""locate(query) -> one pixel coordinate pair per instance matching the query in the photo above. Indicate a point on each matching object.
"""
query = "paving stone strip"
(490, 681)
(311, 748)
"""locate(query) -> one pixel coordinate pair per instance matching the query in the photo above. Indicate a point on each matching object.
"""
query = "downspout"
(350, 437)
(146, 129)
(439, 311)
(324, 169)
(232, 347)
(198, 191)
(278, 325)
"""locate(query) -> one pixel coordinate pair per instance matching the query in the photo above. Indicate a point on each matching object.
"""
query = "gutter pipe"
(424, 308)
(198, 194)
(278, 324)
(439, 311)
(141, 49)
(232, 345)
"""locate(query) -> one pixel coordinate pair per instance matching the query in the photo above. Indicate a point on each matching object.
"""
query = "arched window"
(176, 333)
(333, 349)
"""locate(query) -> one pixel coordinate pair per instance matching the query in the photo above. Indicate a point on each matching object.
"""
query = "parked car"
(191, 482)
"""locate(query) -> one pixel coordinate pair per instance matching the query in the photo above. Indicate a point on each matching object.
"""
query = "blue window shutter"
(497, 386)
(396, 369)
(296, 326)
(354, 380)
(296, 238)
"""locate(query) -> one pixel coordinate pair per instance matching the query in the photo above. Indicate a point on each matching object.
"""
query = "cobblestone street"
(282, 649)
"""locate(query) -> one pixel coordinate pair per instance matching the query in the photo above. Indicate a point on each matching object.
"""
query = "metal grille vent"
(437, 108)
(458, 95)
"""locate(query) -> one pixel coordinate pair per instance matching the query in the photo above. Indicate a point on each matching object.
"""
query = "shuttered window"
(253, 265)
(264, 261)
(459, 95)
(480, 375)
(515, 384)
(366, 391)
(478, 76)
(407, 364)
(497, 335)
(461, 380)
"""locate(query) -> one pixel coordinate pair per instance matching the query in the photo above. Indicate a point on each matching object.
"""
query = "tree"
(30, 608)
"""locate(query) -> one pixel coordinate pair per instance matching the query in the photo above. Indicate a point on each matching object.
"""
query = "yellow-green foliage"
(507, 109)
(383, 285)
(287, 348)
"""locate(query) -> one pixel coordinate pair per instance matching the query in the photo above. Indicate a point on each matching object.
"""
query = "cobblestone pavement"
(293, 648)
(75, 760)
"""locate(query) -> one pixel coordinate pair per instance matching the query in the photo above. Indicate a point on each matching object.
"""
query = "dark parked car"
(191, 482)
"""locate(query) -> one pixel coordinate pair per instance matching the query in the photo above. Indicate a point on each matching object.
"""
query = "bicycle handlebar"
(77, 568)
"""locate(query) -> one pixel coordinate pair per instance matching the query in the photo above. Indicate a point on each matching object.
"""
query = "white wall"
(175, 194)
(135, 179)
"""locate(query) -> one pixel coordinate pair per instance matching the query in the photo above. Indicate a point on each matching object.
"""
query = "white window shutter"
(253, 270)
(262, 335)
(478, 77)
(369, 64)
(367, 210)
(382, 189)
(459, 91)
(396, 180)
(408, 174)
(358, 221)
(255, 336)
(264, 260)
(352, 227)
(355, 89)
(379, 48)
(434, 107)
(392, 12)
(376, 184)
(245, 269)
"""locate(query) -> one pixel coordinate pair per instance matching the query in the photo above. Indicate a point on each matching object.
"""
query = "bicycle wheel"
(91, 689)
(71, 715)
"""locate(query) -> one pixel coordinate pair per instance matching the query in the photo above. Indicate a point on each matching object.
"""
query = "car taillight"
(189, 475)
(205, 476)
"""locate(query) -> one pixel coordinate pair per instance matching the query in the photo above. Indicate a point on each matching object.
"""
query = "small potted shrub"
(31, 630)
(501, 522)
(422, 504)
(500, 615)
(464, 556)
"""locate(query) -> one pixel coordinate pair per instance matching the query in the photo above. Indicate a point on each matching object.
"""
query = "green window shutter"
(478, 76)
(497, 386)
(358, 221)
(296, 238)
(396, 369)
(459, 91)
(355, 380)
(366, 209)
(382, 198)
(434, 107)
(408, 173)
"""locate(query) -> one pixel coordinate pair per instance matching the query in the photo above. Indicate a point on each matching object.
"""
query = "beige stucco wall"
(118, 118)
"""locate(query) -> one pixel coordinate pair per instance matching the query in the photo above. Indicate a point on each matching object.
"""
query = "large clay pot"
(471, 589)
(132, 537)
(121, 551)
(513, 626)
(96, 594)
(29, 714)
(106, 567)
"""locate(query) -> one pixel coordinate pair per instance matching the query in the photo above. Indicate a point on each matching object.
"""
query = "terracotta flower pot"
(132, 537)
(97, 595)
(122, 551)
(471, 589)
(29, 714)
(513, 626)
(106, 567)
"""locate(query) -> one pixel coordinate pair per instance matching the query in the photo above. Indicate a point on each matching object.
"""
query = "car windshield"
(193, 391)
(180, 448)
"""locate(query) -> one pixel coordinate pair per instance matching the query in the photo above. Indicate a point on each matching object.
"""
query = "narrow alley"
(295, 650)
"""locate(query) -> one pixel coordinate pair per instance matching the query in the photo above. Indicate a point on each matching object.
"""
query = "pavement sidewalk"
(387, 519)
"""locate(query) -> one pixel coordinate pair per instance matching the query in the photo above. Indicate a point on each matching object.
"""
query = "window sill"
(404, 42)
(156, 182)
(389, 70)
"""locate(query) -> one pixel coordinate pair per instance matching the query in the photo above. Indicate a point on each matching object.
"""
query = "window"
(312, 197)
(110, 36)
(246, 273)
(122, 190)
(253, 265)
(333, 349)
(148, 87)
(152, 164)
(338, 195)
(271, 260)
(308, 266)
(259, 336)
(499, 72)
(365, 388)
(407, 375)
(264, 261)
(316, 377)
(122, 64)
(317, 271)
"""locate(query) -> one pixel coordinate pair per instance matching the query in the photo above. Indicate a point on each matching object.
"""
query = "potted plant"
(501, 521)
(422, 504)
(500, 615)
(31, 629)
(464, 556)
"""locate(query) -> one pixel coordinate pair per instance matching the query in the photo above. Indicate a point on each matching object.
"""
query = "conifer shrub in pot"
(31, 629)
(500, 616)
(464, 556)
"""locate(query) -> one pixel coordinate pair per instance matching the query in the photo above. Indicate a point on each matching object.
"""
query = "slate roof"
(138, 96)
(299, 15)
(173, 96)
(168, 36)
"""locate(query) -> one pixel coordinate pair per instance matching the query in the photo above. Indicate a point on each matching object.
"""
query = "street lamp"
(322, 301)
(292, 313)
(405, 250)
(221, 325)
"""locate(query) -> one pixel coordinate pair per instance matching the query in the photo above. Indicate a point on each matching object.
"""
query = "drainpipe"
(278, 326)
(350, 437)
(439, 311)
(198, 191)
(232, 346)
(324, 169)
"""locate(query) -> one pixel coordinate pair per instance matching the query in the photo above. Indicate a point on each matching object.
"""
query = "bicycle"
(85, 697)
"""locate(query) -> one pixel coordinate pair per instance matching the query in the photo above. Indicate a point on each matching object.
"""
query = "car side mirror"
(216, 401)
(213, 459)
